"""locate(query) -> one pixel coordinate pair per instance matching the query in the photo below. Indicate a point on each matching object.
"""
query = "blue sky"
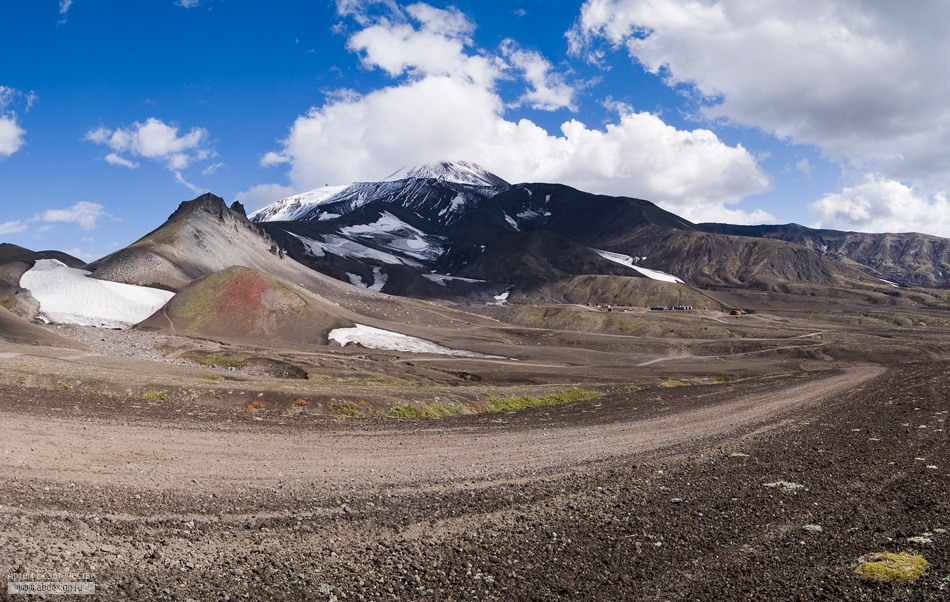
(829, 113)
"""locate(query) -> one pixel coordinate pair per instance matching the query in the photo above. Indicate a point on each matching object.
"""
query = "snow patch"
(513, 223)
(629, 262)
(314, 247)
(379, 279)
(391, 232)
(376, 338)
(441, 278)
(69, 296)
(345, 247)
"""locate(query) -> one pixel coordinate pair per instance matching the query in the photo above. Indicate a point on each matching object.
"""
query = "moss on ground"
(674, 383)
(888, 566)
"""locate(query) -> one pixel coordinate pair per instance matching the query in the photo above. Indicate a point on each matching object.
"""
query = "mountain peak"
(460, 172)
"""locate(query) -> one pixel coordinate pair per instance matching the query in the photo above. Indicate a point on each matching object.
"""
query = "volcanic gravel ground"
(692, 521)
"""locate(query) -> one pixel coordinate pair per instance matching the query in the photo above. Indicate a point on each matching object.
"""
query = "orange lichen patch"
(255, 405)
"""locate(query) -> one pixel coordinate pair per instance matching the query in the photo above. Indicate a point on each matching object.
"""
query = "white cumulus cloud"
(12, 135)
(444, 104)
(883, 205)
(866, 82)
(84, 213)
(157, 141)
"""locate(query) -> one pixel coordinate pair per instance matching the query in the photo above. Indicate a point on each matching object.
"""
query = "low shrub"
(347, 409)
(255, 405)
(157, 395)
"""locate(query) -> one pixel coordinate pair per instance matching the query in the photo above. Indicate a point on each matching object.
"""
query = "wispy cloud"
(84, 213)
(12, 227)
(64, 10)
(156, 141)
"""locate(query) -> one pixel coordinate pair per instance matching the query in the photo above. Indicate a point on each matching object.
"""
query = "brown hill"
(245, 305)
(14, 329)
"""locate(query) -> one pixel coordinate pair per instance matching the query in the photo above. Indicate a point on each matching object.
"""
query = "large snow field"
(69, 296)
(628, 261)
(376, 338)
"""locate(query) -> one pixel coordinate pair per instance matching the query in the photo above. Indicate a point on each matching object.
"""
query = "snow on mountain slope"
(344, 247)
(441, 279)
(441, 192)
(376, 338)
(460, 172)
(293, 207)
(394, 234)
(69, 296)
(628, 261)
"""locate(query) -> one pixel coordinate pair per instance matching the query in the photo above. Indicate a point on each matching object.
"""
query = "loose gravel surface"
(702, 493)
(118, 343)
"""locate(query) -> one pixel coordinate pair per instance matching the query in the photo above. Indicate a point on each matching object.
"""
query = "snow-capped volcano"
(459, 172)
(444, 189)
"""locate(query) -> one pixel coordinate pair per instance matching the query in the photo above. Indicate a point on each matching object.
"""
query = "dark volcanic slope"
(911, 259)
(536, 237)
(662, 240)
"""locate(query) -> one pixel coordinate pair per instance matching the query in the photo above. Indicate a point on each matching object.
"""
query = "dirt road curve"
(168, 457)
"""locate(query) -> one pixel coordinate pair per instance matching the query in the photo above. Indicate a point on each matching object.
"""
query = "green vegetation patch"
(347, 409)
(427, 410)
(504, 404)
(159, 395)
(355, 380)
(674, 383)
(888, 566)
